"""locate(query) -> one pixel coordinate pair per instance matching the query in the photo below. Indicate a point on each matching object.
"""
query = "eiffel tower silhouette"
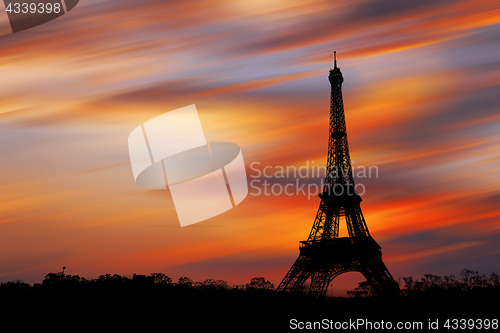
(325, 255)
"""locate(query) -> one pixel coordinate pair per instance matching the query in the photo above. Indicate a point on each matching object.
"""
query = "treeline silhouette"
(431, 284)
(155, 303)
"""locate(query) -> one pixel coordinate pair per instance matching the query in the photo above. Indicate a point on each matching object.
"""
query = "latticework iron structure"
(325, 255)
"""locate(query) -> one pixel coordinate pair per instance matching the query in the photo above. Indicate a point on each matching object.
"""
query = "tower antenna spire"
(334, 59)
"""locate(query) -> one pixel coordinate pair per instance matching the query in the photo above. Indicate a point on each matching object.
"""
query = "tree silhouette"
(494, 279)
(259, 283)
(409, 284)
(185, 281)
(214, 284)
(362, 290)
(161, 279)
(469, 278)
(450, 282)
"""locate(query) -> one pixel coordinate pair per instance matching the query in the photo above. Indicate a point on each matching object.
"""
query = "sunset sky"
(421, 95)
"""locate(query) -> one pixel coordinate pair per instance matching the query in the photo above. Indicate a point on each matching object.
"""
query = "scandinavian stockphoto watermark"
(307, 180)
(205, 179)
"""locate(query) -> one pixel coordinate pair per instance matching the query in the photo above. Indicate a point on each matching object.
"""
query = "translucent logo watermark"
(205, 179)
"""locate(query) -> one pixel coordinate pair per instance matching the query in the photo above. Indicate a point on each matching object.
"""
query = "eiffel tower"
(325, 255)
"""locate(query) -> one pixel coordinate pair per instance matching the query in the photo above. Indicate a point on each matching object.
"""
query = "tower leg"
(296, 276)
(379, 278)
(320, 280)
